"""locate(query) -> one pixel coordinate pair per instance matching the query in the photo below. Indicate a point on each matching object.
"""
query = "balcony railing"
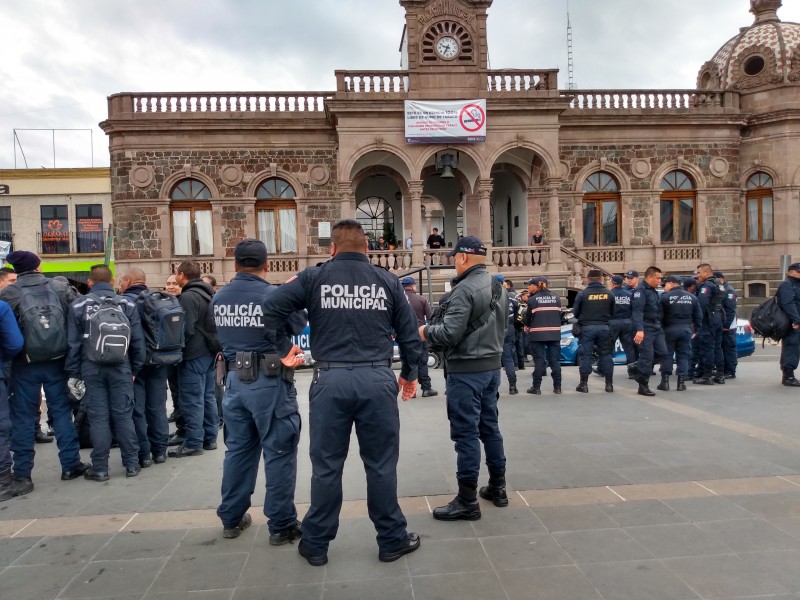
(520, 258)
(391, 260)
(650, 100)
(373, 82)
(522, 80)
(193, 102)
(71, 242)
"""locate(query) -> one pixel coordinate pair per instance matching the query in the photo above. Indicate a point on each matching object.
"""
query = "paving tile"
(681, 539)
(184, 519)
(524, 551)
(464, 585)
(64, 550)
(207, 572)
(748, 485)
(12, 549)
(723, 577)
(769, 506)
(641, 512)
(269, 566)
(568, 497)
(310, 591)
(661, 491)
(78, 525)
(390, 588)
(750, 535)
(129, 545)
(201, 595)
(115, 578)
(641, 579)
(36, 583)
(209, 540)
(429, 528)
(546, 583)
(780, 566)
(713, 508)
(438, 557)
(11, 527)
(506, 521)
(574, 518)
(601, 545)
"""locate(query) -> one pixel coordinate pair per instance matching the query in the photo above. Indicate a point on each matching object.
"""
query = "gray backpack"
(107, 333)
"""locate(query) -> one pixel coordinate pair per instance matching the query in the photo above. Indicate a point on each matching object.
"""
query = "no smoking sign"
(472, 118)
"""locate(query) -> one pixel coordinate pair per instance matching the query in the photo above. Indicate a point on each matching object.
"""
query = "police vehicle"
(745, 344)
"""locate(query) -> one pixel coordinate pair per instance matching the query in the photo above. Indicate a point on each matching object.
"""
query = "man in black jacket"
(789, 299)
(593, 308)
(197, 400)
(472, 331)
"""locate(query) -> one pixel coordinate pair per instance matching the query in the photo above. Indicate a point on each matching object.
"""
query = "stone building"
(615, 178)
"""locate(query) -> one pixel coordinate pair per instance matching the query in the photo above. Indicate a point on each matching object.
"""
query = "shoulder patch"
(637, 294)
(291, 279)
(704, 290)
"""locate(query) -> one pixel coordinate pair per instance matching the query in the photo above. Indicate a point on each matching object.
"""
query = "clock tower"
(446, 47)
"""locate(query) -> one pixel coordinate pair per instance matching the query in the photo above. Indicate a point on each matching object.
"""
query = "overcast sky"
(60, 59)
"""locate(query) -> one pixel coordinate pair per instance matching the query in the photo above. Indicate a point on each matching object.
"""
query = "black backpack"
(770, 321)
(107, 331)
(164, 322)
(43, 322)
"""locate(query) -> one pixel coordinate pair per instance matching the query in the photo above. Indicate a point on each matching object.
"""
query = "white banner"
(445, 122)
(5, 248)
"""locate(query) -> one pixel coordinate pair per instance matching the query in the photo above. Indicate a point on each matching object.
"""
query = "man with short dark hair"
(621, 327)
(353, 307)
(30, 375)
(646, 315)
(681, 318)
(423, 312)
(196, 399)
(543, 328)
(593, 308)
(109, 387)
(435, 241)
(789, 299)
(472, 330)
(7, 276)
(260, 401)
(730, 358)
(710, 295)
(631, 280)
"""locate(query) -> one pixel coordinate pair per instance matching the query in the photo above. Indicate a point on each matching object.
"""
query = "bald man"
(150, 385)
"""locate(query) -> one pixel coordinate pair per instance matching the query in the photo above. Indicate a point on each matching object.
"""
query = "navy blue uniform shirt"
(353, 307)
(729, 306)
(622, 303)
(710, 296)
(10, 337)
(789, 298)
(593, 305)
(646, 307)
(681, 308)
(238, 316)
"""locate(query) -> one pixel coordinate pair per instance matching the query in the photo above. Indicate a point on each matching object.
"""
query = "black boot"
(632, 371)
(610, 383)
(21, 485)
(496, 490)
(664, 385)
(5, 485)
(644, 386)
(463, 507)
(789, 378)
(583, 386)
(718, 377)
(704, 380)
(681, 383)
(512, 388)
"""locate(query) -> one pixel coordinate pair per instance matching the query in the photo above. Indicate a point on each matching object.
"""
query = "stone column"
(554, 225)
(348, 200)
(485, 187)
(417, 235)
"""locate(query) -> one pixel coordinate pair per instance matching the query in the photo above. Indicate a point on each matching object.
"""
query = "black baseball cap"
(250, 252)
(792, 267)
(718, 274)
(617, 279)
(468, 245)
(673, 279)
(690, 281)
(631, 274)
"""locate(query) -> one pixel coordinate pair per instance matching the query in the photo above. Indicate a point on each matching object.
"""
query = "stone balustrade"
(193, 102)
(600, 256)
(519, 258)
(435, 258)
(521, 80)
(650, 100)
(372, 82)
(681, 253)
(391, 260)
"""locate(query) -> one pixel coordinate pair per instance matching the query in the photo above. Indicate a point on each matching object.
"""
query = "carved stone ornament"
(141, 176)
(709, 77)
(563, 170)
(231, 174)
(640, 168)
(319, 174)
(769, 74)
(794, 74)
(718, 167)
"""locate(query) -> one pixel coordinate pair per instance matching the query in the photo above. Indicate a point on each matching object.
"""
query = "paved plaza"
(682, 496)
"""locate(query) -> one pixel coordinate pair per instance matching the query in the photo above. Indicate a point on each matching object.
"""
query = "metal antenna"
(570, 63)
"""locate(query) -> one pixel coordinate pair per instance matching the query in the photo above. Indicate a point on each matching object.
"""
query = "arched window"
(601, 200)
(678, 209)
(759, 208)
(276, 213)
(192, 233)
(375, 216)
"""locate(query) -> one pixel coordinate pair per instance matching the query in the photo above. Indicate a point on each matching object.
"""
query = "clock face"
(447, 47)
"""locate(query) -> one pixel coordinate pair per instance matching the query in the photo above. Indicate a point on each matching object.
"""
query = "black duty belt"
(352, 365)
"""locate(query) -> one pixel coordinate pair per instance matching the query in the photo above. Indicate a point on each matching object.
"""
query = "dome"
(766, 53)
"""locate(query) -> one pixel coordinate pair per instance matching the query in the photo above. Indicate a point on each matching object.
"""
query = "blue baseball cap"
(499, 277)
(406, 281)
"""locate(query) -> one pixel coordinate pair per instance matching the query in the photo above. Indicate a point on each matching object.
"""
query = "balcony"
(648, 101)
(70, 242)
(217, 102)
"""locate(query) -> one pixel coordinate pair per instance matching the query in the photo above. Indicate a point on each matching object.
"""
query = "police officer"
(10, 345)
(109, 387)
(646, 316)
(353, 308)
(543, 328)
(423, 312)
(621, 327)
(593, 308)
(473, 329)
(789, 300)
(28, 379)
(730, 357)
(710, 294)
(631, 281)
(509, 343)
(681, 318)
(260, 401)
